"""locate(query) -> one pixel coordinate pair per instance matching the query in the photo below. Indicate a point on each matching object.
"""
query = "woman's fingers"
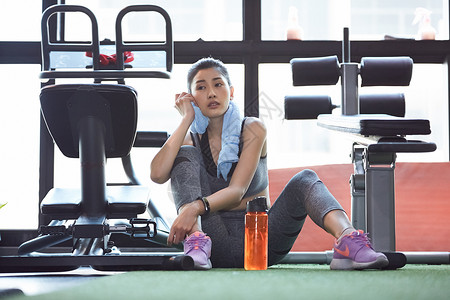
(170, 239)
(183, 104)
(184, 96)
(175, 237)
(183, 224)
(177, 232)
(179, 99)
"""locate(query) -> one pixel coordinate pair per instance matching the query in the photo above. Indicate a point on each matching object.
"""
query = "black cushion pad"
(375, 125)
(123, 202)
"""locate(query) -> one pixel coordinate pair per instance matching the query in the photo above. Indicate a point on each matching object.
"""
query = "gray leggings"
(304, 195)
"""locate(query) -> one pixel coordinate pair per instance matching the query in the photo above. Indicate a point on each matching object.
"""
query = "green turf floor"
(278, 282)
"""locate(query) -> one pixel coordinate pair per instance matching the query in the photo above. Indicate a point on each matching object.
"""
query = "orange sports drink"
(256, 235)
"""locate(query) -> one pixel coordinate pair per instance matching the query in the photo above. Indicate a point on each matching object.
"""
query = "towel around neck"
(231, 132)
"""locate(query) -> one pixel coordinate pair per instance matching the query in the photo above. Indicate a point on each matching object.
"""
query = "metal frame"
(373, 200)
(91, 231)
(372, 184)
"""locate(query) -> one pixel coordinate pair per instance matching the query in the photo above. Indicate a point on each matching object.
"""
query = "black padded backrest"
(64, 105)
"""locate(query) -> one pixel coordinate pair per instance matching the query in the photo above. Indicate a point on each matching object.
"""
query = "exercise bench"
(94, 122)
(378, 128)
(378, 138)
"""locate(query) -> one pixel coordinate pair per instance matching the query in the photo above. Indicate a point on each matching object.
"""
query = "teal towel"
(231, 132)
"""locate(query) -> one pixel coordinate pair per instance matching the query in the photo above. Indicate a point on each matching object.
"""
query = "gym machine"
(377, 125)
(94, 122)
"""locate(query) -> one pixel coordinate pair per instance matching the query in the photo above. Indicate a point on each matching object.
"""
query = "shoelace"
(362, 239)
(196, 242)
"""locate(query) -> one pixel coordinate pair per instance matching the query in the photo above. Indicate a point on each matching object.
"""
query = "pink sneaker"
(198, 246)
(354, 252)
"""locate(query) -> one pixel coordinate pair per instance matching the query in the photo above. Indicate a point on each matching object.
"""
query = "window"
(296, 142)
(20, 22)
(19, 154)
(367, 20)
(303, 143)
(191, 20)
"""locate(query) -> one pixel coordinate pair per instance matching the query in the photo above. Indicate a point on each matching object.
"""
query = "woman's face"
(211, 92)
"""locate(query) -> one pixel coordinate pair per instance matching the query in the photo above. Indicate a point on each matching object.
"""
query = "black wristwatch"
(206, 204)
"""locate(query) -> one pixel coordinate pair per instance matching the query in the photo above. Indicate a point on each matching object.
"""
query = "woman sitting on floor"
(217, 162)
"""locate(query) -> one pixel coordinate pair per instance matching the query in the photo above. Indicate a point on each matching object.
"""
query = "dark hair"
(206, 63)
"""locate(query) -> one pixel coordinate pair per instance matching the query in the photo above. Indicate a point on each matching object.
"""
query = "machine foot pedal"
(397, 260)
(179, 262)
(142, 228)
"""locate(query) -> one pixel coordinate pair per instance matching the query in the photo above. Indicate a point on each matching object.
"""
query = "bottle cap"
(257, 204)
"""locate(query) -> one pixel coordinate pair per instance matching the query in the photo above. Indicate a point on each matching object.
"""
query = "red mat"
(422, 201)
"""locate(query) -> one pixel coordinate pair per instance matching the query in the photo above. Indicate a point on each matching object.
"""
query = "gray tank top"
(260, 180)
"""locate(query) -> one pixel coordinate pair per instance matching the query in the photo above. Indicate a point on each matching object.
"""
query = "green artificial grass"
(278, 282)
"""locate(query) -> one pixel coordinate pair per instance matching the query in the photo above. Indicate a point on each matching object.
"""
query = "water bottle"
(256, 235)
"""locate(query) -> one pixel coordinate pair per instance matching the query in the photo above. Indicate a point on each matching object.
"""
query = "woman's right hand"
(183, 103)
(185, 223)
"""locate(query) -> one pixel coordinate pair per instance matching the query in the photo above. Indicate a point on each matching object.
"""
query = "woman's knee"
(304, 179)
(187, 153)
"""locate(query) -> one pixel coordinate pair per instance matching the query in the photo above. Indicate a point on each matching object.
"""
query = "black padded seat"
(62, 203)
(386, 133)
(375, 125)
(122, 202)
(126, 201)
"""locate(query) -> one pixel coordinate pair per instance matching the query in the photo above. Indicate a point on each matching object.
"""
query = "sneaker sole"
(348, 264)
(206, 266)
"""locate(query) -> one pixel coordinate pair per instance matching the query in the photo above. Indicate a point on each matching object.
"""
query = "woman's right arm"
(162, 163)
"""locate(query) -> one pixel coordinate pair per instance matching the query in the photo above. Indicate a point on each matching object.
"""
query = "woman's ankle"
(345, 232)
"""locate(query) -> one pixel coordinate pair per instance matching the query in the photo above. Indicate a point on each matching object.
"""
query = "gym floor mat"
(278, 282)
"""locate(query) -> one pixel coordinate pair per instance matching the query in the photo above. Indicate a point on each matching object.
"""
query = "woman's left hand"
(185, 224)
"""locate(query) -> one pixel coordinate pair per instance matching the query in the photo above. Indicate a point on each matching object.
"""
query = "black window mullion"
(252, 36)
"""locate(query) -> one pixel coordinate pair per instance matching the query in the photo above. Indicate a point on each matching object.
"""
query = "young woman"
(216, 162)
